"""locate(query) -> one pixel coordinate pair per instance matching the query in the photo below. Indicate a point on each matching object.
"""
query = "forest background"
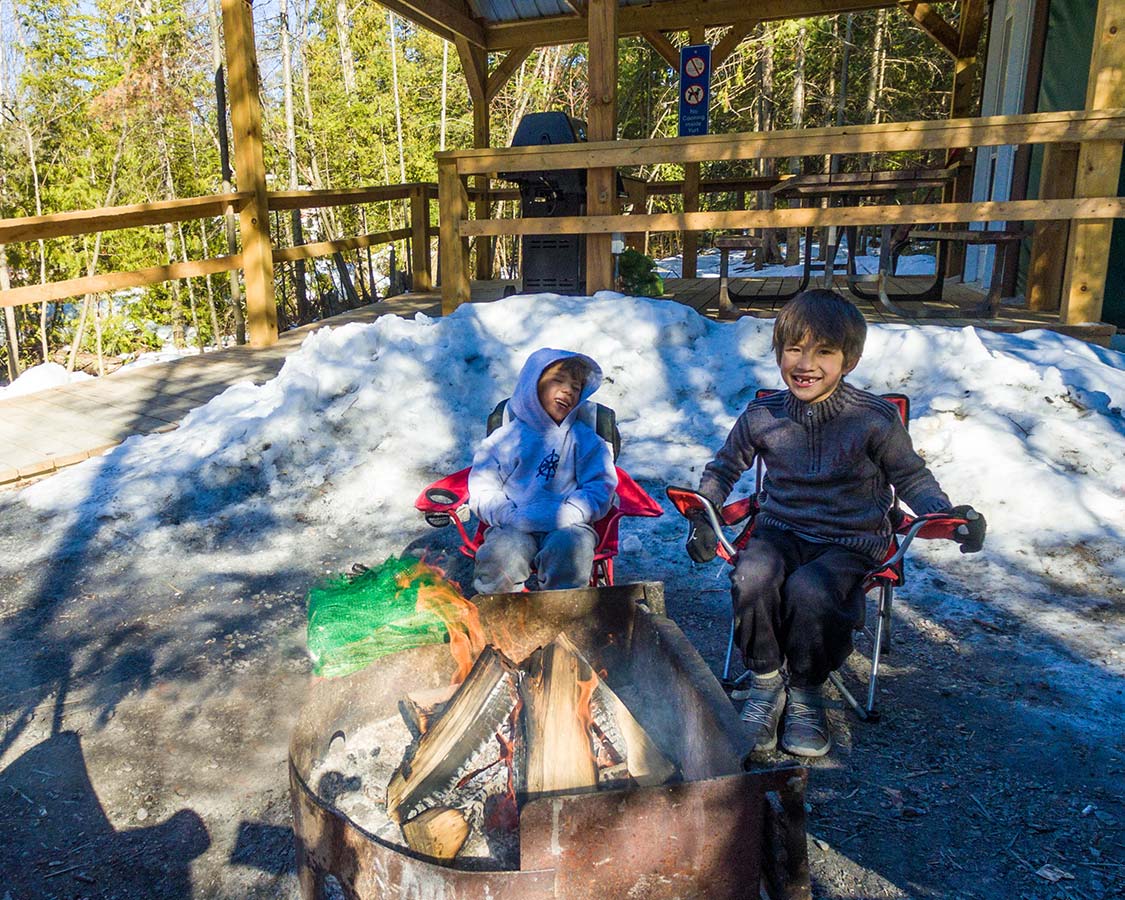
(112, 102)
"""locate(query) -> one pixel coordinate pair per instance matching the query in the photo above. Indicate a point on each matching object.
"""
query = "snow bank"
(1028, 428)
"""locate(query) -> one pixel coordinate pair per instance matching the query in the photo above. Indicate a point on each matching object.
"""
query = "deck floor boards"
(61, 426)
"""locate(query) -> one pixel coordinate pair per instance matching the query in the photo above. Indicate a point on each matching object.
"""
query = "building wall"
(1066, 65)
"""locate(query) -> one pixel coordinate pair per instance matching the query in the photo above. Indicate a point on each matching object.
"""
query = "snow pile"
(1027, 428)
(40, 378)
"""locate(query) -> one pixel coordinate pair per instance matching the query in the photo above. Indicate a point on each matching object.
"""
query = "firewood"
(647, 765)
(559, 751)
(420, 710)
(438, 833)
(483, 707)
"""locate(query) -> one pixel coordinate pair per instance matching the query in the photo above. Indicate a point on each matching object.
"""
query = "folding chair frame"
(885, 578)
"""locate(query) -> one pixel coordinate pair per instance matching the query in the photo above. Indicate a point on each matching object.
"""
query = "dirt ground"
(146, 713)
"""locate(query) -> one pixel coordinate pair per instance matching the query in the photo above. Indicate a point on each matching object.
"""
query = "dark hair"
(572, 365)
(825, 316)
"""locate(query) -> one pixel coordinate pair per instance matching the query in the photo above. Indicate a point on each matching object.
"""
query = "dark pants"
(796, 602)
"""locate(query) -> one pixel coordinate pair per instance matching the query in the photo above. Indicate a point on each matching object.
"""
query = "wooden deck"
(48, 430)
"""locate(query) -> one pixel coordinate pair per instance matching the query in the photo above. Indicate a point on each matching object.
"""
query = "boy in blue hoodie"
(542, 479)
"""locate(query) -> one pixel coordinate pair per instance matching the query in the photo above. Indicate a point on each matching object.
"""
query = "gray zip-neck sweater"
(829, 467)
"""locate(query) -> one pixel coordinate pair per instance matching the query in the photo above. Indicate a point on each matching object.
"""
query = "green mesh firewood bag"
(355, 619)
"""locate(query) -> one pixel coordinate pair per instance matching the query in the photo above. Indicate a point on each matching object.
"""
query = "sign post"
(695, 90)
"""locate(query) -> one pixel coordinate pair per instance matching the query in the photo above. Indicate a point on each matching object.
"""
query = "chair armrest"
(688, 501)
(445, 495)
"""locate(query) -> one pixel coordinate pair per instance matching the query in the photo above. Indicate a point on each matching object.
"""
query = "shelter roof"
(506, 24)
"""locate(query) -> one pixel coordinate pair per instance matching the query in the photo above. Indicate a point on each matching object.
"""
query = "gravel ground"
(146, 705)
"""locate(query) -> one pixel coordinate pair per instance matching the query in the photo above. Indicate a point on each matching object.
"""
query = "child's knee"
(757, 571)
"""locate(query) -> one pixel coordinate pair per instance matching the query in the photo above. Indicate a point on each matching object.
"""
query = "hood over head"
(525, 405)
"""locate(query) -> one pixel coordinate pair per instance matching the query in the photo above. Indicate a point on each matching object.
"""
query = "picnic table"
(851, 188)
(840, 189)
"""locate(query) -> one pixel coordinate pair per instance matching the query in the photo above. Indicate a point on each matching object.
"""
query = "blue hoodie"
(536, 475)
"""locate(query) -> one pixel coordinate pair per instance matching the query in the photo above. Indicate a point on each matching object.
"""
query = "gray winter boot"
(806, 725)
(762, 710)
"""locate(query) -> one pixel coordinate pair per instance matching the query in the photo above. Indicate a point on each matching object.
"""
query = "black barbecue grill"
(554, 263)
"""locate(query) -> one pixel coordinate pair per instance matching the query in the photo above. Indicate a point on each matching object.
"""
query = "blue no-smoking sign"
(695, 89)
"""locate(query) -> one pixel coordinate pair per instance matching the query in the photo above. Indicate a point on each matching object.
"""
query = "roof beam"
(663, 46)
(945, 35)
(729, 42)
(679, 16)
(474, 63)
(504, 70)
(446, 18)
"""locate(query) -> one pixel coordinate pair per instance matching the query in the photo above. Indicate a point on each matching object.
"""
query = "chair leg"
(730, 653)
(838, 681)
(882, 630)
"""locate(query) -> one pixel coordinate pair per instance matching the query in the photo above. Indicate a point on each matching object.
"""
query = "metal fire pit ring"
(720, 833)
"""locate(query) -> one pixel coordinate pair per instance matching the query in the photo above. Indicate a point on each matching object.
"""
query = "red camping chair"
(885, 577)
(446, 501)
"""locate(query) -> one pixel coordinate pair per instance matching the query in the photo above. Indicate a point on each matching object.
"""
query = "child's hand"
(505, 515)
(702, 542)
(970, 535)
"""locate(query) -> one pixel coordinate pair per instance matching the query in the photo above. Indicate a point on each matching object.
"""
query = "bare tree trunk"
(11, 332)
(215, 331)
(878, 62)
(92, 259)
(444, 90)
(842, 97)
(191, 290)
(169, 242)
(343, 35)
(299, 287)
(771, 252)
(398, 115)
(11, 335)
(224, 162)
(792, 237)
(33, 161)
(98, 335)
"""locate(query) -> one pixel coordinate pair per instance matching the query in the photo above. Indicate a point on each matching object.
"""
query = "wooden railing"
(68, 224)
(1103, 127)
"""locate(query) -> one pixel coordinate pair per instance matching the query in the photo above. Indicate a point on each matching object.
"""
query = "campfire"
(563, 744)
(511, 732)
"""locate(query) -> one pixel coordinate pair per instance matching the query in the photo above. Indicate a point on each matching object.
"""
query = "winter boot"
(806, 725)
(762, 710)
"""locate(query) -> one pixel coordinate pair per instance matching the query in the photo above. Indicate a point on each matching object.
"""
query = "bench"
(727, 298)
(1006, 241)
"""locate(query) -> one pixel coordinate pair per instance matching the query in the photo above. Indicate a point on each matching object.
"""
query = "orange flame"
(583, 708)
(461, 618)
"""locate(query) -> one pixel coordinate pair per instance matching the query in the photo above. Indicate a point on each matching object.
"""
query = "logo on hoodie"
(548, 466)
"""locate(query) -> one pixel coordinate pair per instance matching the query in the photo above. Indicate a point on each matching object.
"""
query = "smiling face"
(812, 369)
(560, 389)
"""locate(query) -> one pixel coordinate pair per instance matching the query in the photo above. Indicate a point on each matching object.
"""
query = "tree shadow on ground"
(994, 739)
(59, 841)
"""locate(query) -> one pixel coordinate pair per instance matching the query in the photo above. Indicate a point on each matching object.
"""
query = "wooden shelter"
(1068, 264)
(1073, 217)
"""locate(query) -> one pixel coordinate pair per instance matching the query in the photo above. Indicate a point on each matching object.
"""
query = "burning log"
(548, 726)
(439, 832)
(419, 711)
(557, 721)
(463, 743)
(642, 759)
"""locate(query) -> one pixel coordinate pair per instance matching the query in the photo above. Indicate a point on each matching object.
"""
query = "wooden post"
(963, 104)
(474, 62)
(453, 250)
(601, 124)
(690, 259)
(1049, 244)
(420, 239)
(250, 169)
(1099, 169)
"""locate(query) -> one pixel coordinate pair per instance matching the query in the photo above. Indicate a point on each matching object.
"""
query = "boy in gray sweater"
(832, 453)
